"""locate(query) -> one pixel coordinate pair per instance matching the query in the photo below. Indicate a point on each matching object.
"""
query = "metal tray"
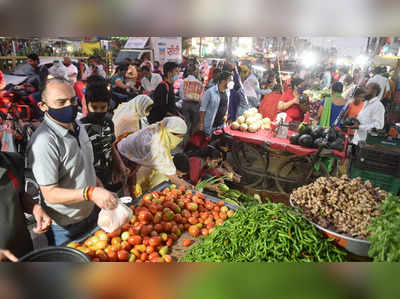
(352, 245)
(135, 202)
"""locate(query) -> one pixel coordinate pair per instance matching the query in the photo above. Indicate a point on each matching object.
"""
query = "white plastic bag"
(111, 220)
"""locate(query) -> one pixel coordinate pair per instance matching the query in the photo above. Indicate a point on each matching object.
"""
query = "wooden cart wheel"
(296, 172)
(251, 162)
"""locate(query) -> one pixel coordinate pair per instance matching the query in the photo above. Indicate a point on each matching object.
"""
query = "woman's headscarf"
(170, 126)
(127, 116)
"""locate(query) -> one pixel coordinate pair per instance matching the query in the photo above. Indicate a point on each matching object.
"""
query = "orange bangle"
(90, 193)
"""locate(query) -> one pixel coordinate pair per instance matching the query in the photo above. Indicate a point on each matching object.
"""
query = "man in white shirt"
(372, 115)
(72, 71)
(251, 88)
(95, 68)
(382, 81)
(150, 80)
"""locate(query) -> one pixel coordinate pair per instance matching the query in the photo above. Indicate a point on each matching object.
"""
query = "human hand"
(104, 199)
(6, 255)
(43, 221)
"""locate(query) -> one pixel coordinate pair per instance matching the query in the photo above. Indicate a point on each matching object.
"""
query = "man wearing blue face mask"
(163, 96)
(61, 157)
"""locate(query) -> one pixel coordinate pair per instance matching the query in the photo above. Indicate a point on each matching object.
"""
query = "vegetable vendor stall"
(270, 162)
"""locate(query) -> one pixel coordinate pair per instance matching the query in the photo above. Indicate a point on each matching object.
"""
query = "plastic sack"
(111, 220)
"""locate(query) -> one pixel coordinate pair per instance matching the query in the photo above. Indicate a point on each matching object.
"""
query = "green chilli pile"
(384, 232)
(265, 233)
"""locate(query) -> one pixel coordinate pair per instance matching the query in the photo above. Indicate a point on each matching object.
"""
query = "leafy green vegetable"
(268, 232)
(384, 232)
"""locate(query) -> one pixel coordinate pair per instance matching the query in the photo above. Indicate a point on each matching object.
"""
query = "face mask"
(64, 115)
(231, 85)
(175, 77)
(96, 117)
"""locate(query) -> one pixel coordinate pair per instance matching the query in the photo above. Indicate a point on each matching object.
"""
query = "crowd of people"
(102, 136)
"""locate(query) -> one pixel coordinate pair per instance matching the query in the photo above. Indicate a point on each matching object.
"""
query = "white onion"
(241, 119)
(243, 127)
(235, 125)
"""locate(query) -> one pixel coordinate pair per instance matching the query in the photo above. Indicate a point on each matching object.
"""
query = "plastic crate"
(378, 159)
(384, 181)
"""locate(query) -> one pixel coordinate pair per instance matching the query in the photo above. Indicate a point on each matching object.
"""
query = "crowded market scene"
(200, 149)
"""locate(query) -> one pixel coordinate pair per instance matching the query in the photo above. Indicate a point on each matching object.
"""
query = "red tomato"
(112, 256)
(219, 222)
(100, 254)
(184, 220)
(186, 226)
(194, 231)
(204, 232)
(154, 255)
(158, 228)
(167, 227)
(116, 241)
(145, 216)
(202, 209)
(186, 214)
(181, 188)
(125, 245)
(187, 242)
(136, 252)
(155, 241)
(200, 195)
(193, 220)
(220, 203)
(169, 242)
(210, 225)
(196, 214)
(157, 217)
(116, 233)
(146, 230)
(167, 258)
(125, 227)
(123, 255)
(146, 241)
(143, 256)
(149, 250)
(135, 240)
(174, 237)
(178, 218)
(153, 208)
(223, 216)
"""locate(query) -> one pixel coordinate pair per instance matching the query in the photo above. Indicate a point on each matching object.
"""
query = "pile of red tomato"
(159, 220)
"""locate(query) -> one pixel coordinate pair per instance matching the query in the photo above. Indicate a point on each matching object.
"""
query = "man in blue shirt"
(214, 105)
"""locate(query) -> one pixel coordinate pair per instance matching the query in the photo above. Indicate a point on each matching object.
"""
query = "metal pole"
(200, 47)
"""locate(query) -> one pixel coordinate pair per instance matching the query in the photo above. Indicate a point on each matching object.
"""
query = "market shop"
(307, 170)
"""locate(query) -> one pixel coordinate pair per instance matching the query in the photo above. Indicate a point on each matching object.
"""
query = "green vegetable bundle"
(384, 232)
(236, 197)
(265, 233)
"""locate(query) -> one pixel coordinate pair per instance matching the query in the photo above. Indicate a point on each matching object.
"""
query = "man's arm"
(103, 198)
